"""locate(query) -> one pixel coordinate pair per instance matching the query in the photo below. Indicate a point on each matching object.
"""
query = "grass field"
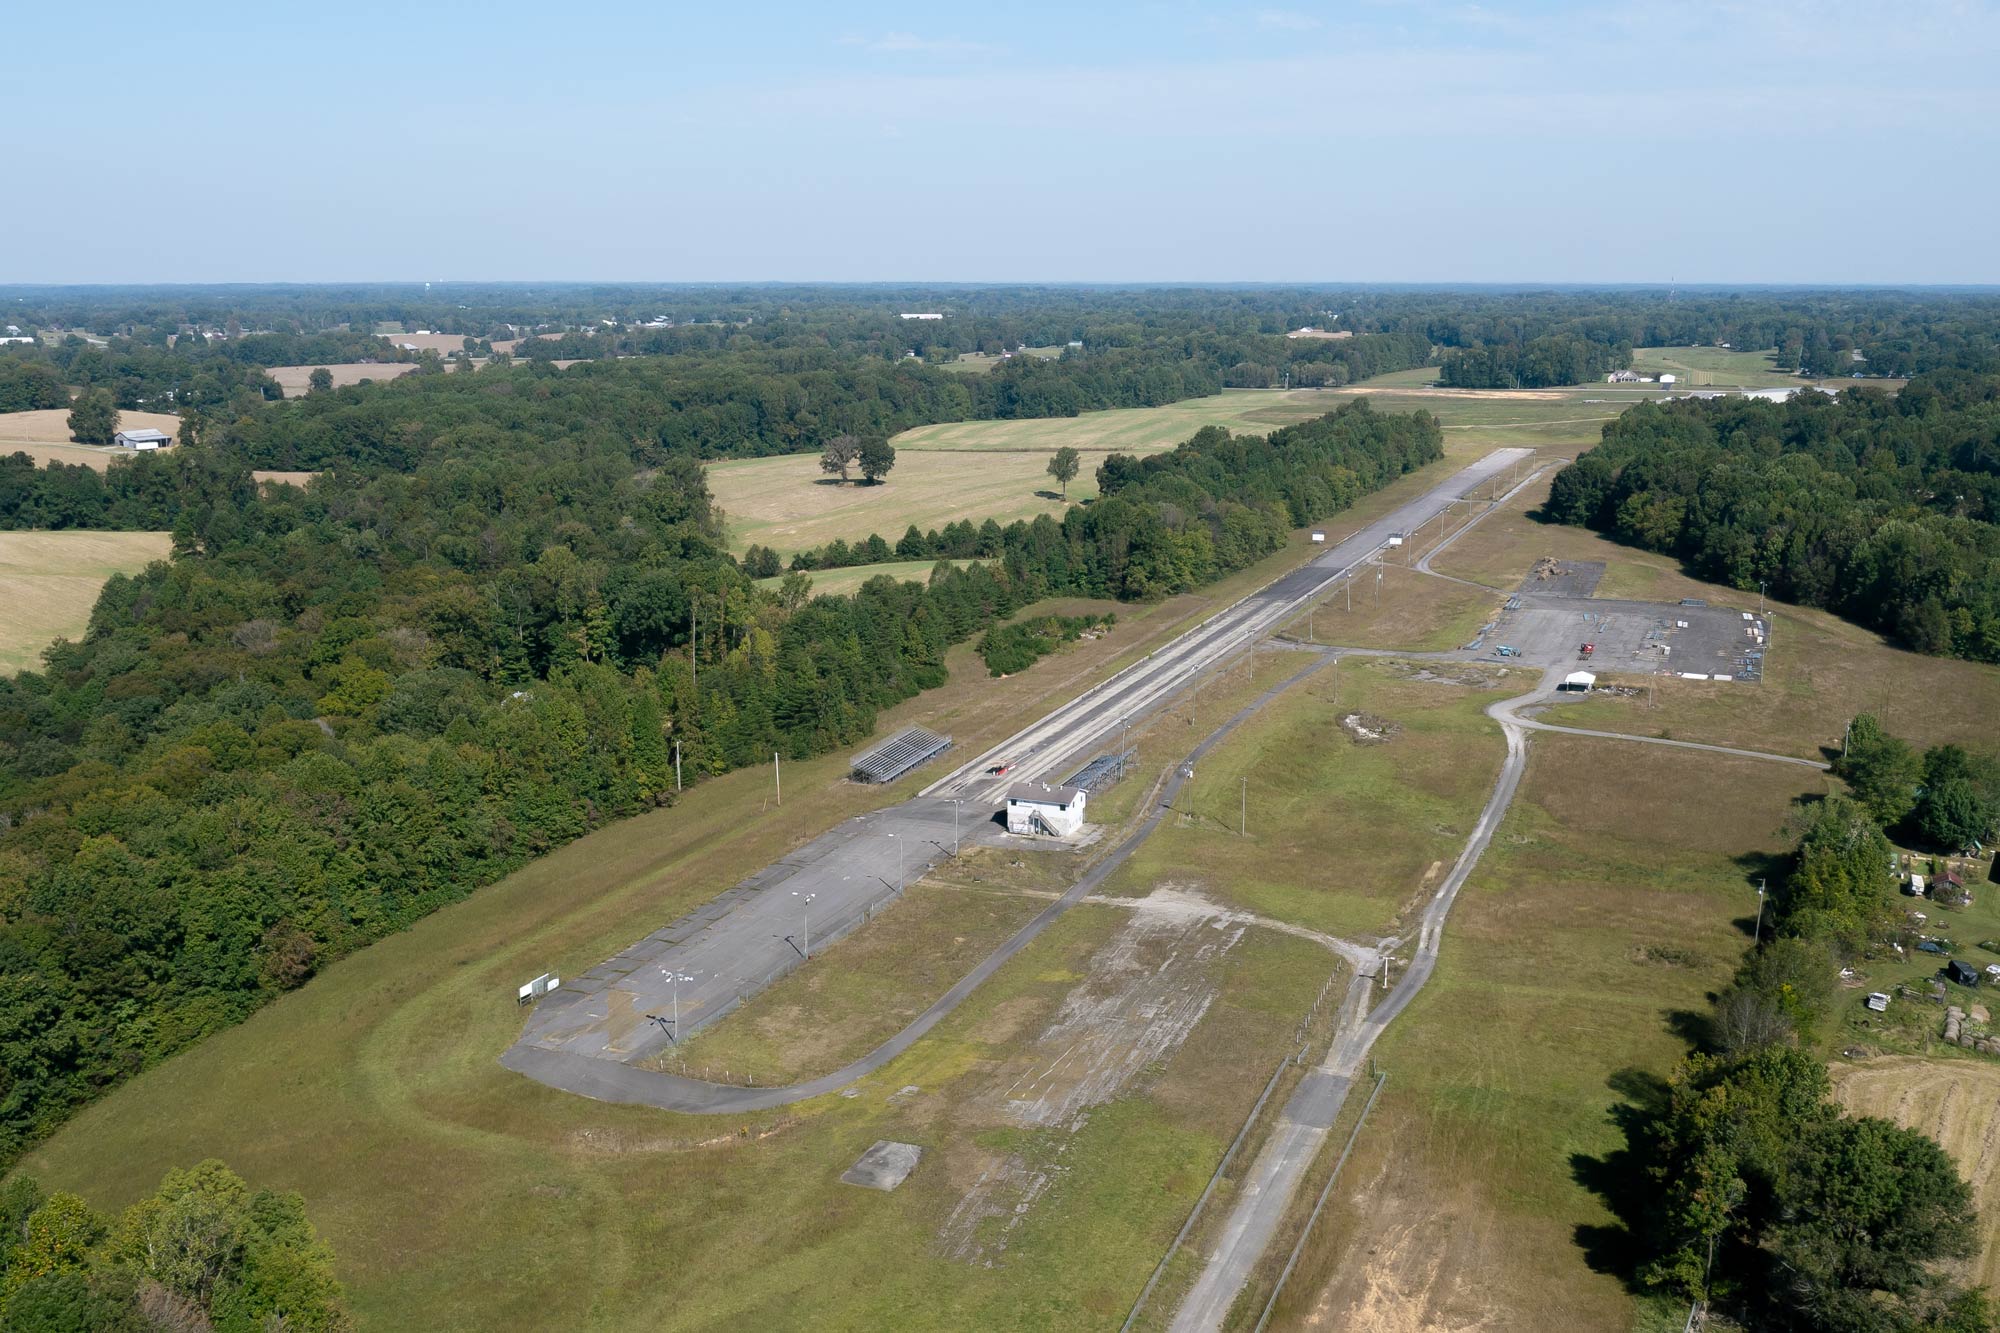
(839, 582)
(44, 436)
(1598, 913)
(980, 363)
(1727, 367)
(1345, 834)
(49, 582)
(788, 504)
(296, 380)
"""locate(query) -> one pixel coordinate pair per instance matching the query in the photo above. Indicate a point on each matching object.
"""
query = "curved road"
(1304, 1123)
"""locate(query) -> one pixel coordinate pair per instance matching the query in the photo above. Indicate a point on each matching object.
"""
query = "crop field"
(49, 582)
(1956, 1102)
(445, 343)
(1480, 1194)
(295, 380)
(44, 436)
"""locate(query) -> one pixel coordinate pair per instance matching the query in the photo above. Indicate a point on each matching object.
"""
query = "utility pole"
(779, 778)
(677, 765)
(1243, 809)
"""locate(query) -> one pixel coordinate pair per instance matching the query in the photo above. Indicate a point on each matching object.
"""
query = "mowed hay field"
(44, 436)
(1956, 1102)
(1476, 1194)
(296, 380)
(49, 582)
(976, 470)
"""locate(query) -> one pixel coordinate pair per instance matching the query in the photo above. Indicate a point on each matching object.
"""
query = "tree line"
(202, 1252)
(1883, 508)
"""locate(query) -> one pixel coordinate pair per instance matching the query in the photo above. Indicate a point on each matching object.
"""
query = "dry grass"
(271, 477)
(788, 504)
(1464, 1205)
(49, 582)
(296, 380)
(1132, 430)
(1957, 1103)
(1408, 609)
(44, 436)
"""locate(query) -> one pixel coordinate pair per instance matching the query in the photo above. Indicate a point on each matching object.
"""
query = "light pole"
(677, 765)
(956, 802)
(1757, 937)
(673, 1027)
(1760, 597)
(805, 915)
(899, 861)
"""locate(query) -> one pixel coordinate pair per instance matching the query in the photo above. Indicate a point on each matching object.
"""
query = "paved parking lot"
(1548, 623)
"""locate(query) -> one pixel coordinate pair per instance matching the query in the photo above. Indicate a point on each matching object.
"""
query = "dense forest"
(480, 635)
(1884, 508)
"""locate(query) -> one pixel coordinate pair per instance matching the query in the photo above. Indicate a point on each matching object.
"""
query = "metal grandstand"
(899, 754)
(1101, 772)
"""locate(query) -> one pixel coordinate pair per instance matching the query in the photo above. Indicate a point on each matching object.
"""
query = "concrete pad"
(884, 1166)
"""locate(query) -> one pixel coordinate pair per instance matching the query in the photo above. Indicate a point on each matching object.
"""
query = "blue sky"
(1378, 140)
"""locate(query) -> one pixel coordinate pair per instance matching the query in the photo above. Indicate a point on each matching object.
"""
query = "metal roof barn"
(899, 754)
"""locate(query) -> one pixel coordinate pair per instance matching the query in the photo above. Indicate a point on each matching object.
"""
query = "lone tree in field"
(94, 418)
(877, 457)
(320, 380)
(839, 455)
(1063, 467)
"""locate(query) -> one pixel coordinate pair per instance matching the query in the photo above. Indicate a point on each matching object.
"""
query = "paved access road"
(1063, 741)
(691, 972)
(1302, 1126)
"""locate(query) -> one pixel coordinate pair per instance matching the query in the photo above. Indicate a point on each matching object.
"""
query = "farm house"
(1039, 808)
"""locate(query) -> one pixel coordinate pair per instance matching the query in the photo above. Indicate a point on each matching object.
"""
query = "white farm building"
(1038, 808)
(142, 439)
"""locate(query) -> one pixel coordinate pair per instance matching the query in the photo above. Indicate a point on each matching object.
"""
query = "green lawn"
(1721, 366)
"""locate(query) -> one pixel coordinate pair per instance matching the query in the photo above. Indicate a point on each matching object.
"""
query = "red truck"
(1587, 650)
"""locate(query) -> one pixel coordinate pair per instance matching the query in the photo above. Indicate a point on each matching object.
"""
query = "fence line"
(1298, 1249)
(1201, 1203)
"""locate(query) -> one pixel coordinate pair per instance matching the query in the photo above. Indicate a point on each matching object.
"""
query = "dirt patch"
(1141, 995)
(1564, 578)
(1368, 729)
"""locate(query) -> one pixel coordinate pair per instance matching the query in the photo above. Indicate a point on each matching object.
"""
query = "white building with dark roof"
(1039, 808)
